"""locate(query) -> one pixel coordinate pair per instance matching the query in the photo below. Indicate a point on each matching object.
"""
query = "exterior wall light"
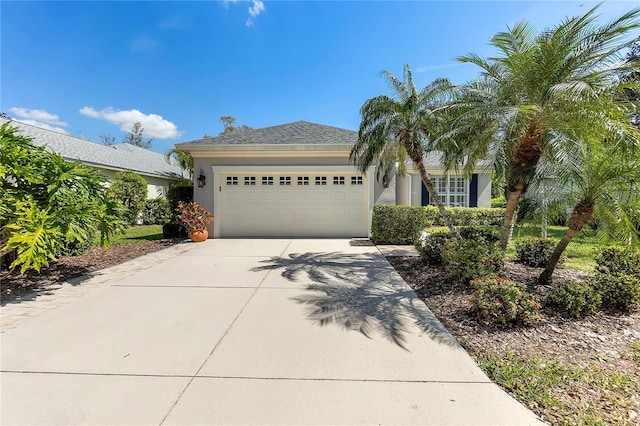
(202, 180)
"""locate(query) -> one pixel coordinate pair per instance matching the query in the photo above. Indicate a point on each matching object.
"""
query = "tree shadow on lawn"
(359, 292)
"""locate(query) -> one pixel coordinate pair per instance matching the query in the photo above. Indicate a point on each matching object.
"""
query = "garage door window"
(267, 180)
(250, 180)
(232, 180)
(356, 180)
(321, 180)
(303, 180)
(338, 180)
(285, 180)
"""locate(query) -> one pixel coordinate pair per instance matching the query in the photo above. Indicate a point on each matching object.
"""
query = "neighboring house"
(107, 159)
(291, 180)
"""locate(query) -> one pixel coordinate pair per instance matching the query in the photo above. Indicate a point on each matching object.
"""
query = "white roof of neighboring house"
(122, 156)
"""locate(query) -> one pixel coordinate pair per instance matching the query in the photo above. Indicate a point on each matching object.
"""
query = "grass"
(560, 391)
(137, 234)
(580, 252)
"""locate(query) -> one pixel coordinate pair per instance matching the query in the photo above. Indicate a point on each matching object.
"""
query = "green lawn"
(544, 384)
(137, 234)
(580, 253)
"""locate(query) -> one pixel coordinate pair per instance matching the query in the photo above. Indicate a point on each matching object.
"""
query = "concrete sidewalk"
(248, 332)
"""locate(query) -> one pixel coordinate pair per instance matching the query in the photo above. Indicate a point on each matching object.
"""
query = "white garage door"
(293, 205)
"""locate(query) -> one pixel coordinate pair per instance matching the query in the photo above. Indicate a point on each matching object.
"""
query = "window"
(452, 190)
(321, 180)
(303, 180)
(232, 180)
(250, 180)
(338, 180)
(285, 180)
(267, 180)
(356, 180)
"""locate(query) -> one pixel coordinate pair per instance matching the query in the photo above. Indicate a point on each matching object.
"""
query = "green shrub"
(466, 260)
(504, 302)
(499, 202)
(534, 252)
(429, 247)
(480, 233)
(573, 298)
(466, 216)
(179, 192)
(130, 189)
(397, 224)
(403, 224)
(619, 291)
(48, 205)
(157, 211)
(618, 260)
(74, 248)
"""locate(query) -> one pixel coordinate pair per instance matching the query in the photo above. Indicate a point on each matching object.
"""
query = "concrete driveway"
(248, 332)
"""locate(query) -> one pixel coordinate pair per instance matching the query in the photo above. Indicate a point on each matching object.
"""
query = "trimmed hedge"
(402, 224)
(157, 211)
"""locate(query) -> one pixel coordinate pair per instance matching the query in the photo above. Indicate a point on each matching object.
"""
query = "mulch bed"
(13, 284)
(604, 338)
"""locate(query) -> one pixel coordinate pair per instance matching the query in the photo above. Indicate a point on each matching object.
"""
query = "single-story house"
(295, 180)
(108, 159)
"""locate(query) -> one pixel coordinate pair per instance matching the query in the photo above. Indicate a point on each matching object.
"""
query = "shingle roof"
(300, 132)
(117, 157)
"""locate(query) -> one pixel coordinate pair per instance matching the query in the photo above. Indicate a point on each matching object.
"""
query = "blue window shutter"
(425, 196)
(473, 191)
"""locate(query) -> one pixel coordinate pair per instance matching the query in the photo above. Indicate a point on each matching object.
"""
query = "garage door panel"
(329, 210)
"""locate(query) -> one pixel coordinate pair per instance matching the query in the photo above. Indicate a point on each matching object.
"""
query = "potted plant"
(195, 219)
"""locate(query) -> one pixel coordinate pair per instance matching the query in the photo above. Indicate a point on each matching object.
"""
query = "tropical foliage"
(182, 158)
(604, 186)
(542, 98)
(407, 124)
(47, 202)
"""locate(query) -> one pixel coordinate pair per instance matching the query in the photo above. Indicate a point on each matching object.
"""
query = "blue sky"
(92, 68)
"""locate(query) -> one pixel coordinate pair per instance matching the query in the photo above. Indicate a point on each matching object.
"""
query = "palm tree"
(184, 160)
(405, 124)
(606, 187)
(540, 97)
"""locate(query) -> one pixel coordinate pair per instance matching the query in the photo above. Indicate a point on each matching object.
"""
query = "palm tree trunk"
(582, 214)
(509, 214)
(545, 276)
(426, 180)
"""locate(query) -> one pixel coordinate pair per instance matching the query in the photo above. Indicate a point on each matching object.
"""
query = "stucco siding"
(484, 190)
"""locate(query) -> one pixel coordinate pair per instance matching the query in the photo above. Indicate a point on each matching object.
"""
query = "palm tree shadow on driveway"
(359, 292)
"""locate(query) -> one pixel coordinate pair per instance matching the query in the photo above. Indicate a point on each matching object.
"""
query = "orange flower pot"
(199, 235)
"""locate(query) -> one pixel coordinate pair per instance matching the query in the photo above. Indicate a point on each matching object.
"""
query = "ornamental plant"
(192, 216)
(49, 207)
(504, 302)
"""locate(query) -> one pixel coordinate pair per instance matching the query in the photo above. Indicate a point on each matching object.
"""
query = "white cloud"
(226, 3)
(154, 125)
(256, 9)
(39, 118)
(144, 44)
